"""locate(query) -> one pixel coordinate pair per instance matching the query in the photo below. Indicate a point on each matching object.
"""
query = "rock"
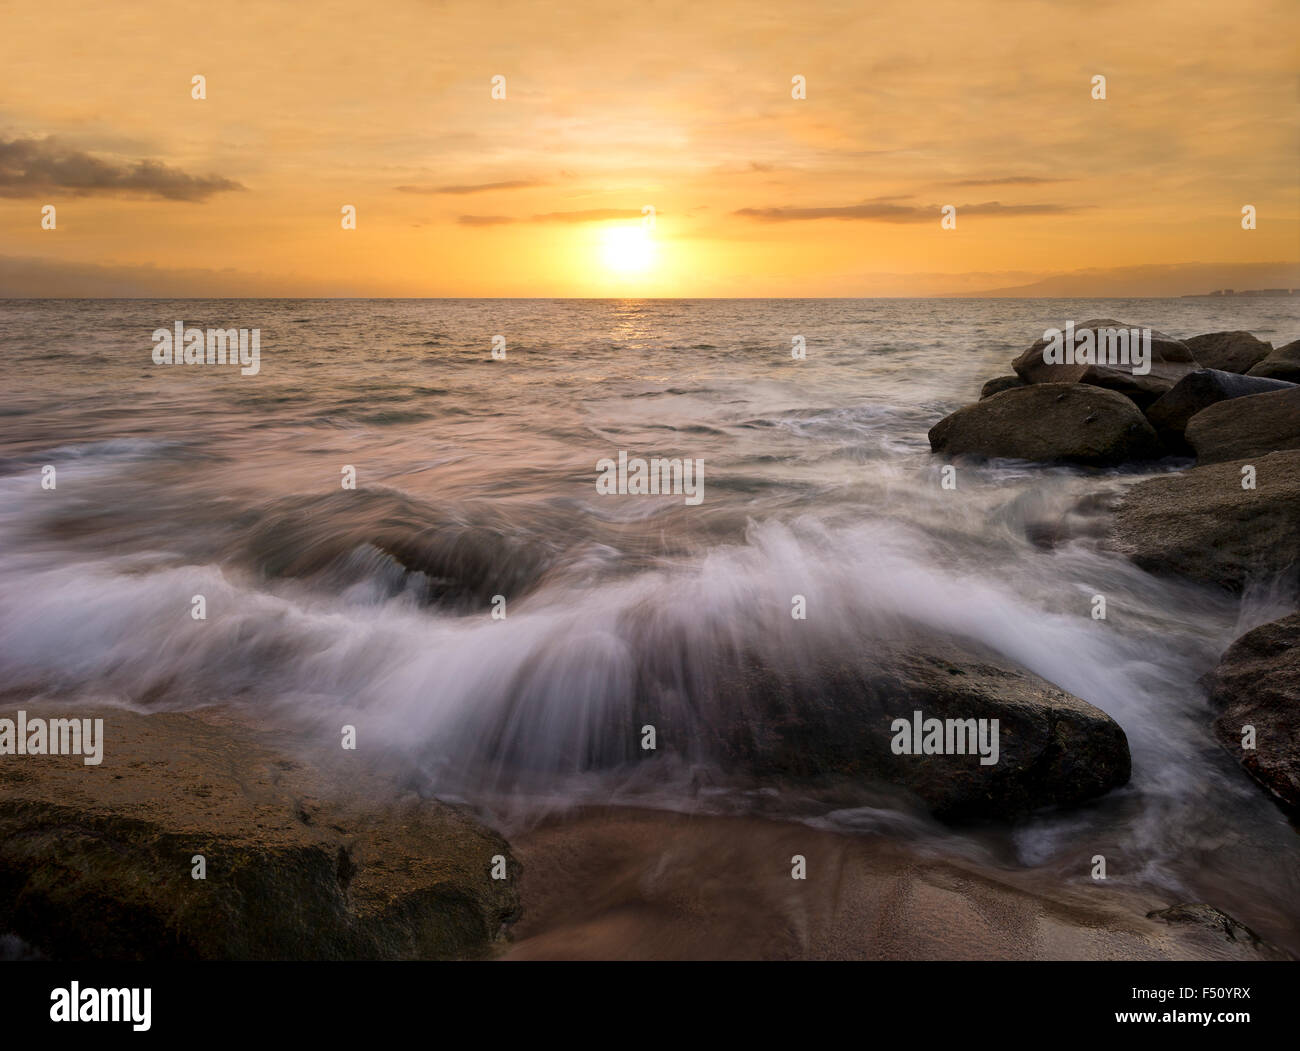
(1215, 926)
(1257, 683)
(454, 559)
(1282, 364)
(998, 384)
(1199, 390)
(1073, 422)
(95, 861)
(1228, 351)
(1171, 360)
(837, 722)
(1244, 427)
(1201, 524)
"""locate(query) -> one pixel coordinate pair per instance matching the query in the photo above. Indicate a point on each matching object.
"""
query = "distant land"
(1151, 281)
(1245, 292)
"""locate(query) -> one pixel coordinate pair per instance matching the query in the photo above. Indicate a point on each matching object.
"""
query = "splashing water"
(476, 479)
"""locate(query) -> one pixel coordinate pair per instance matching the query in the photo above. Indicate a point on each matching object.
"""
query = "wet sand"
(643, 885)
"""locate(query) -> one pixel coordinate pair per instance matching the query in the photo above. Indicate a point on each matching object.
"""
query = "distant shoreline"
(1228, 293)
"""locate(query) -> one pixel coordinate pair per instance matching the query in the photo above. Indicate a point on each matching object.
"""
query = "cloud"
(485, 220)
(885, 210)
(1008, 180)
(997, 208)
(31, 167)
(482, 187)
(590, 215)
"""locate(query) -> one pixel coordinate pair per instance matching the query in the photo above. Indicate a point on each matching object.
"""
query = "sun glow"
(627, 249)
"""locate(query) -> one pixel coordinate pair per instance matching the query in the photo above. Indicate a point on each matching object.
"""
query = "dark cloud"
(482, 187)
(31, 167)
(887, 211)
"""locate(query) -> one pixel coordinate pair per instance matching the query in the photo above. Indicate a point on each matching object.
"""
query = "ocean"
(481, 614)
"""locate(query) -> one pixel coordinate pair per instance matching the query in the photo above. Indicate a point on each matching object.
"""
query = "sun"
(627, 249)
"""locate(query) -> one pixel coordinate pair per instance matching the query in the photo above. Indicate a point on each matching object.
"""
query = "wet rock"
(1070, 422)
(1201, 524)
(1282, 364)
(1257, 683)
(96, 862)
(1228, 351)
(837, 721)
(998, 384)
(1251, 426)
(1218, 929)
(1171, 360)
(1199, 390)
(456, 560)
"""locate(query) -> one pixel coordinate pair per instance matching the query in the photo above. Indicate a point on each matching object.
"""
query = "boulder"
(1199, 390)
(1201, 524)
(836, 721)
(1257, 683)
(1282, 364)
(451, 558)
(998, 384)
(95, 861)
(1242, 427)
(1171, 360)
(1071, 422)
(1228, 351)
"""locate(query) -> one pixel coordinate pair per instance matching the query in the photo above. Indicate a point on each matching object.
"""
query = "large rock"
(1257, 683)
(998, 384)
(1199, 390)
(1072, 422)
(1228, 351)
(1282, 364)
(95, 861)
(1249, 426)
(836, 721)
(1201, 524)
(1171, 360)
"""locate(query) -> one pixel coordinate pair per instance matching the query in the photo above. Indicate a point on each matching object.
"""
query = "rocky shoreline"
(1232, 520)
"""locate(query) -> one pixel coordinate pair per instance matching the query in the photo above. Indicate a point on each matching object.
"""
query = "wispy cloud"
(485, 220)
(30, 167)
(1008, 180)
(480, 187)
(887, 211)
(590, 215)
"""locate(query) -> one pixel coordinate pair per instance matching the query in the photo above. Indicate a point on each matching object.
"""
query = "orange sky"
(609, 107)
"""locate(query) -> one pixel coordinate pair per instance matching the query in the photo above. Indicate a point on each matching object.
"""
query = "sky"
(610, 109)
